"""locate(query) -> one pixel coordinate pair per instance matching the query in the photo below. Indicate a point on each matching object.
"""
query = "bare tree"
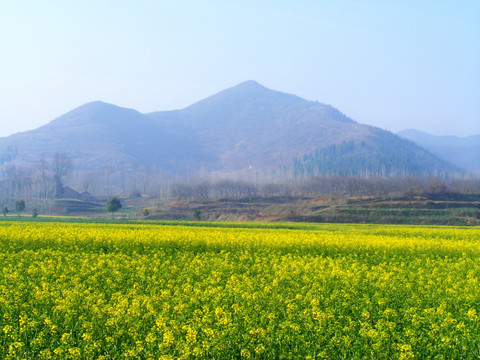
(17, 183)
(148, 174)
(85, 183)
(62, 166)
(181, 190)
(202, 189)
(44, 175)
(107, 172)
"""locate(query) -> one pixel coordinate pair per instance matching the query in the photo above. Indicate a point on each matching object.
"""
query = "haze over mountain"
(239, 130)
(250, 125)
(461, 151)
(99, 134)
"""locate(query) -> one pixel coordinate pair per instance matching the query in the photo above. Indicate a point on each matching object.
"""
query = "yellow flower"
(65, 338)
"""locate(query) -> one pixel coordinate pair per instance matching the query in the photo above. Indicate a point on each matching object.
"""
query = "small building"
(86, 196)
(69, 193)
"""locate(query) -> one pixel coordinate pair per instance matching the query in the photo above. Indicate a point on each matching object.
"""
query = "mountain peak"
(248, 94)
(253, 88)
(250, 84)
(96, 112)
(97, 105)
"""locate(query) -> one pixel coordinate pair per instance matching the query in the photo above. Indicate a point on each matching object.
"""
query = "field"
(231, 290)
(448, 209)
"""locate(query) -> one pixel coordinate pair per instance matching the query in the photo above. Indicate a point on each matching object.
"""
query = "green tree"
(34, 212)
(19, 206)
(113, 205)
(146, 212)
(197, 214)
(5, 211)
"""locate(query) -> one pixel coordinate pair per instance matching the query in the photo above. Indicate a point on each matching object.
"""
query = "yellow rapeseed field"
(153, 291)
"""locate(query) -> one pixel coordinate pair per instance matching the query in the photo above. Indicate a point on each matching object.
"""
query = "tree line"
(45, 180)
(333, 185)
(366, 160)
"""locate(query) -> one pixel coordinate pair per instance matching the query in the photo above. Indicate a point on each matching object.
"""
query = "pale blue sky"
(391, 64)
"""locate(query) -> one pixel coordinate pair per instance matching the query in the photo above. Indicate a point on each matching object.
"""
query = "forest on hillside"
(383, 159)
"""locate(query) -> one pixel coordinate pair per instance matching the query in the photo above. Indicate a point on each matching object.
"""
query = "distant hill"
(239, 130)
(461, 151)
(250, 126)
(97, 134)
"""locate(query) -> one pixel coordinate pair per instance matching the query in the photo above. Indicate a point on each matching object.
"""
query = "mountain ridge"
(249, 113)
(99, 128)
(445, 140)
(463, 151)
(238, 129)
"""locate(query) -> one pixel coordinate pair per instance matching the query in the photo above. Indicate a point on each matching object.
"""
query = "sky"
(391, 64)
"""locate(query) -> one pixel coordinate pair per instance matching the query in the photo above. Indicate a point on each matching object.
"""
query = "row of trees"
(205, 189)
(19, 208)
(325, 186)
(47, 178)
(365, 160)
(44, 181)
(112, 205)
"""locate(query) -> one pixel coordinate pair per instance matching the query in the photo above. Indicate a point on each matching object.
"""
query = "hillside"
(367, 209)
(461, 151)
(241, 130)
(250, 126)
(97, 134)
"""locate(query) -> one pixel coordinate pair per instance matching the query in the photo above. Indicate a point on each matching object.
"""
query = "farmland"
(232, 290)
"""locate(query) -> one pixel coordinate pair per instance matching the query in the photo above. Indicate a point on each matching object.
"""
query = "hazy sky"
(391, 64)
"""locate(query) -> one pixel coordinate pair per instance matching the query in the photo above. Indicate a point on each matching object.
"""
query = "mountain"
(97, 134)
(250, 125)
(461, 151)
(243, 128)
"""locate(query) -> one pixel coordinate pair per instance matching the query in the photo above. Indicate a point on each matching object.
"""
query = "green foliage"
(146, 212)
(19, 206)
(386, 156)
(34, 212)
(5, 211)
(197, 214)
(113, 205)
